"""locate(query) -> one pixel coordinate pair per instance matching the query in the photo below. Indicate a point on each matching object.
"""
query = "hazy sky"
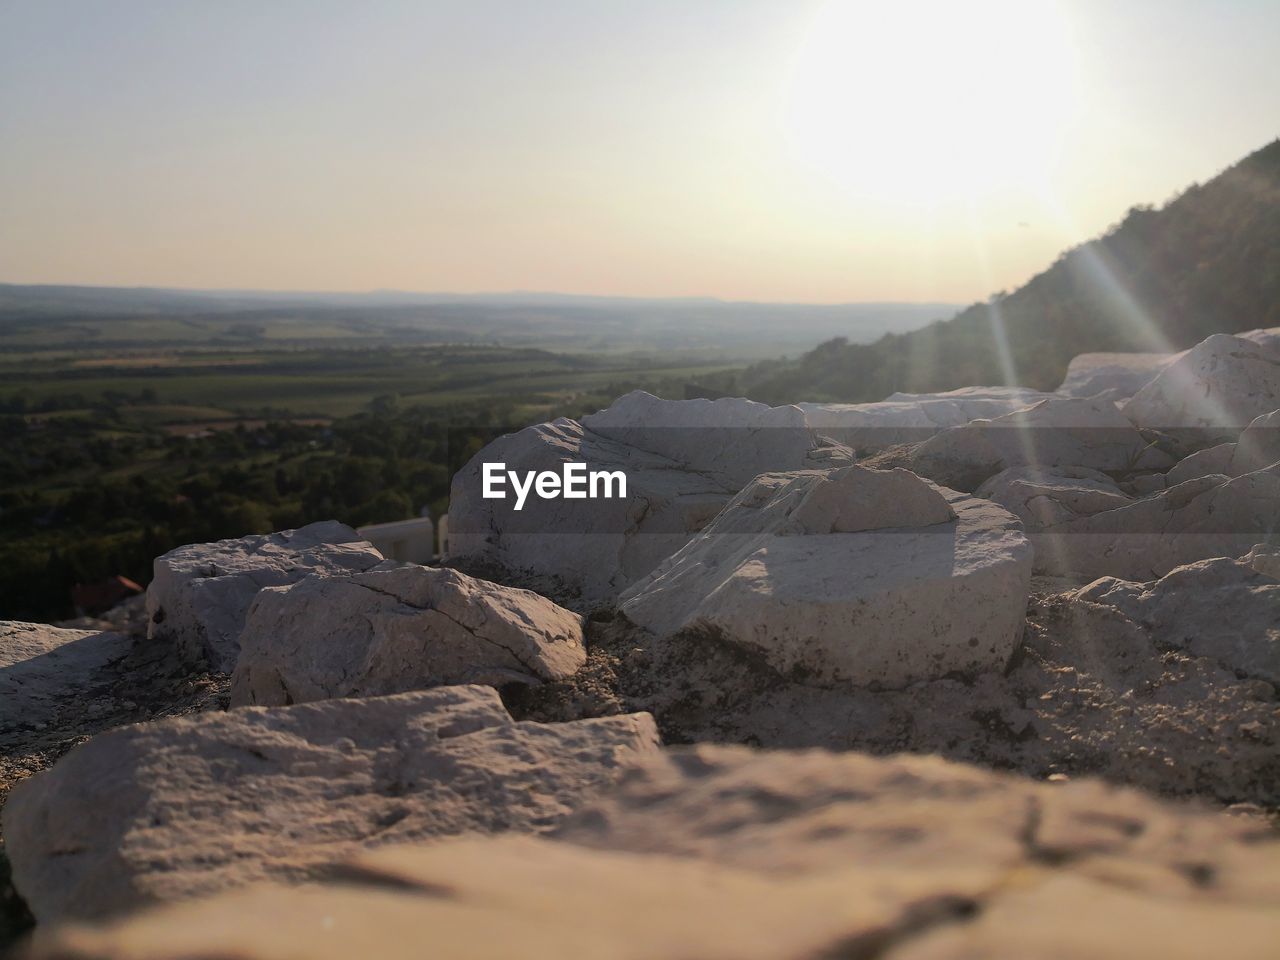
(782, 150)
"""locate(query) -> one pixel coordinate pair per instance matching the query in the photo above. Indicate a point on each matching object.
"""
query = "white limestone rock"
(1041, 497)
(849, 576)
(1258, 446)
(44, 668)
(1203, 463)
(404, 628)
(188, 807)
(1224, 609)
(1213, 391)
(721, 852)
(913, 417)
(683, 460)
(1211, 516)
(1058, 432)
(1119, 375)
(200, 593)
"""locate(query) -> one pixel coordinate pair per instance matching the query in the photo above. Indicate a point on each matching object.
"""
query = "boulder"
(1119, 375)
(1224, 609)
(722, 852)
(682, 460)
(1258, 446)
(849, 576)
(189, 807)
(1211, 516)
(44, 669)
(913, 417)
(1211, 392)
(1041, 497)
(1209, 462)
(390, 630)
(1058, 432)
(200, 594)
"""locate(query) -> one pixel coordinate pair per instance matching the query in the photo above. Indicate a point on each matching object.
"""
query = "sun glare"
(932, 101)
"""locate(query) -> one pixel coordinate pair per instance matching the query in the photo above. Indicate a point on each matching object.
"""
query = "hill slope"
(1207, 262)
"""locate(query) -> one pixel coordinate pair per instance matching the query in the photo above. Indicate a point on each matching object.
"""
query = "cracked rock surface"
(402, 628)
(720, 852)
(191, 806)
(200, 593)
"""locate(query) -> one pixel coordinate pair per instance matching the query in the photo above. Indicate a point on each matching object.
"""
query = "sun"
(932, 101)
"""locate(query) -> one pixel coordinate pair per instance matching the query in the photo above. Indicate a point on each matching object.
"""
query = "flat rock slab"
(726, 853)
(851, 576)
(200, 593)
(44, 668)
(188, 807)
(1118, 375)
(913, 417)
(390, 630)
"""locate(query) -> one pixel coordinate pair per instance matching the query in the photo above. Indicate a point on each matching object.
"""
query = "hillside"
(1207, 262)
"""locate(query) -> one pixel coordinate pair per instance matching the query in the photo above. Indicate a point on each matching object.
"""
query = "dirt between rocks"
(1088, 692)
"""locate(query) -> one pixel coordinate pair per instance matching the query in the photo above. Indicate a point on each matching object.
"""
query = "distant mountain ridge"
(1207, 262)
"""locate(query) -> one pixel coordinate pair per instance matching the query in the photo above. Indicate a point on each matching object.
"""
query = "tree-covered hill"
(1207, 262)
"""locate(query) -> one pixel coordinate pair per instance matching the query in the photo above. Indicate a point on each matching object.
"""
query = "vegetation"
(1208, 262)
(104, 464)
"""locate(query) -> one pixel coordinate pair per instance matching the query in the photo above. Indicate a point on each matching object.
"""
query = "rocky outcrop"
(1211, 392)
(1118, 375)
(44, 669)
(1041, 497)
(683, 460)
(188, 807)
(1058, 432)
(851, 576)
(391, 630)
(1224, 609)
(201, 593)
(1212, 516)
(724, 852)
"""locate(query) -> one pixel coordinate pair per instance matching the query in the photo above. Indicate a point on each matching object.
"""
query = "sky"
(790, 150)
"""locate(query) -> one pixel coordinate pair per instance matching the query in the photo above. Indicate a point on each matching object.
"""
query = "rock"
(1258, 447)
(722, 852)
(1120, 375)
(1203, 463)
(390, 630)
(1212, 392)
(1212, 516)
(683, 460)
(200, 593)
(848, 576)
(188, 807)
(1058, 432)
(1223, 609)
(43, 669)
(1145, 484)
(1265, 559)
(1088, 692)
(1041, 497)
(1268, 338)
(913, 417)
